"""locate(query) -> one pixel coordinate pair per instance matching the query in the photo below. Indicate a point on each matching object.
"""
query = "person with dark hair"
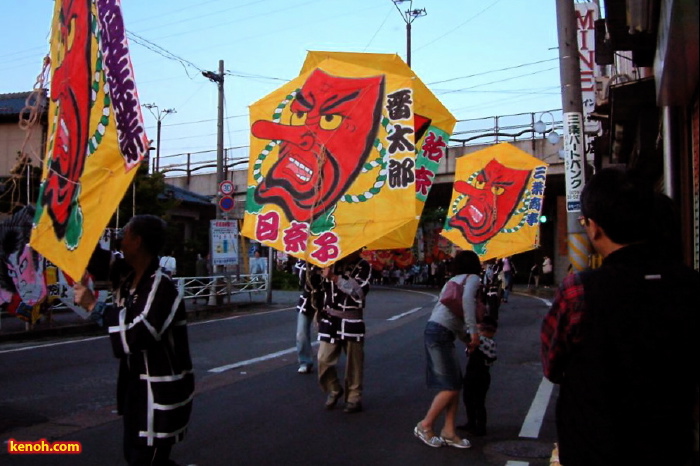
(148, 330)
(622, 340)
(443, 366)
(258, 264)
(477, 377)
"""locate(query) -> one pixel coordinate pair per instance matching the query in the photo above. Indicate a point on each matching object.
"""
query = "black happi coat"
(344, 302)
(148, 330)
(310, 283)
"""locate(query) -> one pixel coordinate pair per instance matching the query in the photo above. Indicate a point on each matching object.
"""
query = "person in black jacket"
(622, 340)
(341, 327)
(148, 331)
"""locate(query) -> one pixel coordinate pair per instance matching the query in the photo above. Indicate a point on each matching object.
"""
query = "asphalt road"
(252, 408)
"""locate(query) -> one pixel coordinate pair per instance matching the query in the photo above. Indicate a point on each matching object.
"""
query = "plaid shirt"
(561, 327)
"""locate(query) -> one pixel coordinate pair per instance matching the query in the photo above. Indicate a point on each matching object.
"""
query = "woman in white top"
(444, 368)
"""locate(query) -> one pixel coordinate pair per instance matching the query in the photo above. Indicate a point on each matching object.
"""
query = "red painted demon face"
(70, 89)
(493, 197)
(330, 134)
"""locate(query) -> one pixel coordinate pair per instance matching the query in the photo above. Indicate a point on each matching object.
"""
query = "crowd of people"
(620, 340)
(420, 273)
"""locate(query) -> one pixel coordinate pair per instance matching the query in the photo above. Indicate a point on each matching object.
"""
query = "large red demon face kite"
(70, 90)
(330, 134)
(493, 197)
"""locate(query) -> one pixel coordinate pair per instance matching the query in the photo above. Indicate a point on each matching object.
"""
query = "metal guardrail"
(212, 288)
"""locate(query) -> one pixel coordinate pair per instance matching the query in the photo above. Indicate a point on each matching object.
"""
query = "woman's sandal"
(455, 441)
(427, 436)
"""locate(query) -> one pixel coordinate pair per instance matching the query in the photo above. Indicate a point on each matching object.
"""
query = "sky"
(481, 58)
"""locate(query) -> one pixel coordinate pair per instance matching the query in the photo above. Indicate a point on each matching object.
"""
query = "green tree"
(433, 215)
(146, 195)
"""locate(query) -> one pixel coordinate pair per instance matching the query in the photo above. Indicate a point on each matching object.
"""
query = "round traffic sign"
(226, 203)
(226, 187)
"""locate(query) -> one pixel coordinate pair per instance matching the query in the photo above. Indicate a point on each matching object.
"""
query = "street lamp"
(158, 115)
(409, 16)
(541, 127)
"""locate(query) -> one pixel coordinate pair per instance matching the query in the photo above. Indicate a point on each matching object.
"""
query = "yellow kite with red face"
(496, 202)
(343, 157)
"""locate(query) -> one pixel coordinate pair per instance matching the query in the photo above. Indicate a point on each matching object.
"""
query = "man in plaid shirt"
(622, 340)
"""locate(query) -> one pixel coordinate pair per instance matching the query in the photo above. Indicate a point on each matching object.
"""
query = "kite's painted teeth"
(476, 213)
(301, 165)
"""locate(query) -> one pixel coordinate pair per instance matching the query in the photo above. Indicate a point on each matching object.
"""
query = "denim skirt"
(443, 371)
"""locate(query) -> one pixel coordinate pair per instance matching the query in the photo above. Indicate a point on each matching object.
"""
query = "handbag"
(451, 298)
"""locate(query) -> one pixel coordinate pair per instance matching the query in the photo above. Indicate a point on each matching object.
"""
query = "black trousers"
(476, 384)
(135, 452)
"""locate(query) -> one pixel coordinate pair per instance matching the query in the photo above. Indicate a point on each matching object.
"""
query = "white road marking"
(266, 357)
(47, 345)
(533, 420)
(200, 322)
(425, 293)
(404, 314)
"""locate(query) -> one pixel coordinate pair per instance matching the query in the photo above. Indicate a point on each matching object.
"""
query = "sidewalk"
(65, 322)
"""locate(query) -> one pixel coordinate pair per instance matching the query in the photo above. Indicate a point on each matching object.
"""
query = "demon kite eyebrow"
(503, 183)
(332, 105)
(302, 100)
(497, 182)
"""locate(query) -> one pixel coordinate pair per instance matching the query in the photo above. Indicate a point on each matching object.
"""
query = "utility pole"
(574, 135)
(409, 16)
(219, 80)
(159, 115)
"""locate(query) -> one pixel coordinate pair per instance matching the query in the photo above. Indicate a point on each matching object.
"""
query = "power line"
(266, 13)
(459, 26)
(494, 82)
(152, 46)
(162, 51)
(198, 5)
(241, 74)
(494, 71)
(378, 29)
(205, 121)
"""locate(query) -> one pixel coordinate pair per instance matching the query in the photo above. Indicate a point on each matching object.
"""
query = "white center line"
(47, 345)
(404, 314)
(247, 362)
